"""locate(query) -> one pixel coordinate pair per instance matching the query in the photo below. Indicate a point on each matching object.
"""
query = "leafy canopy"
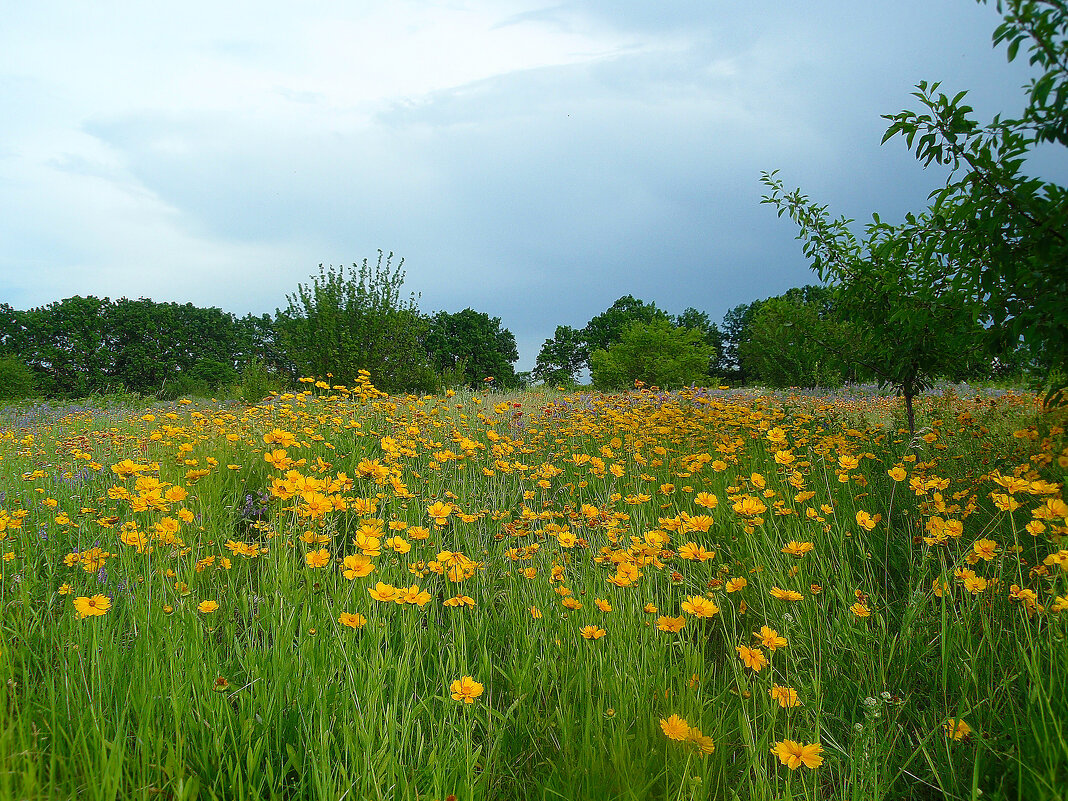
(655, 353)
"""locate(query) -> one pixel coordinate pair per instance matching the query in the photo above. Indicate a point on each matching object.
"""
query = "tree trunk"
(910, 412)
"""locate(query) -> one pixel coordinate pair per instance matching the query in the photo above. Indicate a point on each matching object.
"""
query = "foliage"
(700, 321)
(737, 324)
(607, 328)
(655, 353)
(83, 345)
(570, 350)
(994, 242)
(646, 595)
(16, 379)
(1007, 231)
(799, 340)
(911, 325)
(562, 357)
(473, 345)
(342, 323)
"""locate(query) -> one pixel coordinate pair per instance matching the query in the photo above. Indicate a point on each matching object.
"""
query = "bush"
(655, 353)
(17, 381)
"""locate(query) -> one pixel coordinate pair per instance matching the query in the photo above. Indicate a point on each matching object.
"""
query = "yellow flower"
(207, 607)
(535, 612)
(412, 595)
(602, 604)
(670, 624)
(794, 754)
(65, 589)
(770, 638)
(736, 584)
(957, 729)
(704, 744)
(592, 632)
(357, 566)
(752, 657)
(786, 595)
(985, 549)
(383, 592)
(699, 606)
(319, 558)
(675, 728)
(867, 521)
(92, 606)
(466, 689)
(439, 512)
(786, 696)
(352, 621)
(798, 549)
(860, 610)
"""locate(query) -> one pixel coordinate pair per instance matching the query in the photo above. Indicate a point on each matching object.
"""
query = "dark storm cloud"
(542, 194)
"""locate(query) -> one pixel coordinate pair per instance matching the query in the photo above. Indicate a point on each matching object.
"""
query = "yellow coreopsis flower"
(92, 606)
(353, 621)
(466, 689)
(675, 728)
(699, 606)
(794, 754)
(786, 696)
(752, 657)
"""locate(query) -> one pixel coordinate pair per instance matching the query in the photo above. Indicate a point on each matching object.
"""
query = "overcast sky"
(533, 160)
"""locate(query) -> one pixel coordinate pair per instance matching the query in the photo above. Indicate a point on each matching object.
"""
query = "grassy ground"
(699, 595)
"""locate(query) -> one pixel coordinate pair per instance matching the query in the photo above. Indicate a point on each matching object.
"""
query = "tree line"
(341, 322)
(971, 287)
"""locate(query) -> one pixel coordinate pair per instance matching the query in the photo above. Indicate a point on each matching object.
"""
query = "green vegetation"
(646, 595)
(981, 273)
(655, 354)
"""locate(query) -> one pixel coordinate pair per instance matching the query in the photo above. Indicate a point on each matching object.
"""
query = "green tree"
(342, 323)
(1003, 234)
(656, 353)
(736, 330)
(606, 329)
(17, 381)
(562, 357)
(474, 343)
(911, 325)
(798, 339)
(700, 321)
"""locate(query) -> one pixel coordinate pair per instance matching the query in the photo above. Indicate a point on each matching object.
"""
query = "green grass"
(271, 696)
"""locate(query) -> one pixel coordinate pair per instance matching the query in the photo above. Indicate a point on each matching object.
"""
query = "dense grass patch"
(703, 594)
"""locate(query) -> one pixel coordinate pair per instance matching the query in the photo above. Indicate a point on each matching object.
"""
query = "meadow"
(700, 594)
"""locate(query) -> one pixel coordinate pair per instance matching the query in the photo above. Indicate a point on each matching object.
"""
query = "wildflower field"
(700, 594)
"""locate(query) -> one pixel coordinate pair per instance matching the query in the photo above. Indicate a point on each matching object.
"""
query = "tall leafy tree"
(344, 322)
(562, 357)
(606, 329)
(736, 330)
(799, 339)
(1008, 230)
(655, 353)
(911, 324)
(475, 343)
(700, 321)
(986, 261)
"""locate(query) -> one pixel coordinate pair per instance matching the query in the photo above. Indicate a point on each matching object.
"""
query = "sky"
(531, 159)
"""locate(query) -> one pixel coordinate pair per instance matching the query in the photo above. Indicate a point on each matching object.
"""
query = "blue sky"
(533, 160)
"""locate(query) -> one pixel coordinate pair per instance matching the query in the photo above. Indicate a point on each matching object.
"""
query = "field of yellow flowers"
(699, 594)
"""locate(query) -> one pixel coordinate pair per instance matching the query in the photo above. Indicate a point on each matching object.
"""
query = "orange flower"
(794, 754)
(752, 657)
